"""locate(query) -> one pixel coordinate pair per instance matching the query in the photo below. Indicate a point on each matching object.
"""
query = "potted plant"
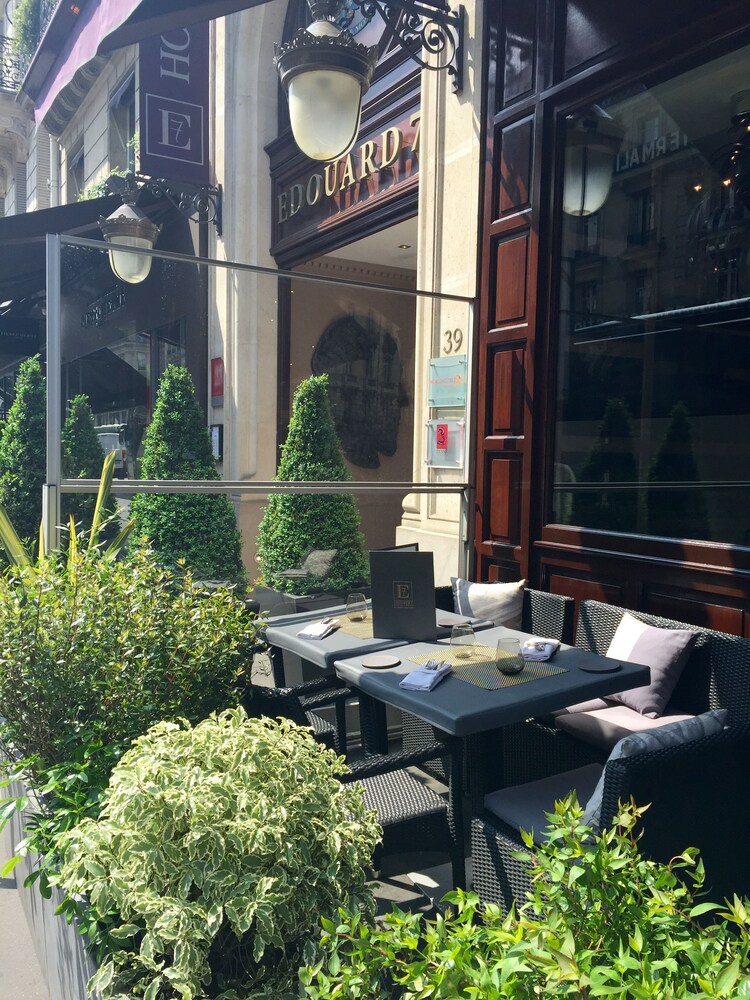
(218, 850)
(602, 921)
(99, 644)
(199, 529)
(311, 543)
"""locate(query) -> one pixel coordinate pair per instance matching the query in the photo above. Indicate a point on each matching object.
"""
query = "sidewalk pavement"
(20, 975)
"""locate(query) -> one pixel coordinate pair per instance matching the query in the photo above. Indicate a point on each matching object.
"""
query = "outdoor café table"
(467, 710)
(342, 644)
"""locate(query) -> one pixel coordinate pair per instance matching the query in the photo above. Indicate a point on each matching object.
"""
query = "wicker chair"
(549, 615)
(698, 798)
(411, 813)
(717, 675)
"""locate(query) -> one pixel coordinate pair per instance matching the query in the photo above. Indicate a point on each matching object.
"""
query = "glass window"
(653, 401)
(75, 174)
(122, 128)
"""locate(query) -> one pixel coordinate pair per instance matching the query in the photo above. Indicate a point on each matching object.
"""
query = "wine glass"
(462, 639)
(356, 607)
(508, 656)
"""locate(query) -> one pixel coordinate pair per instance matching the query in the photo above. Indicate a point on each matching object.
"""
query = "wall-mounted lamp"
(325, 72)
(128, 226)
(593, 139)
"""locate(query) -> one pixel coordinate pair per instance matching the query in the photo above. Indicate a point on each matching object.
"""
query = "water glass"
(356, 607)
(508, 656)
(462, 639)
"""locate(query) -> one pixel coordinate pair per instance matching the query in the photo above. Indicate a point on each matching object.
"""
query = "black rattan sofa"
(698, 795)
(716, 675)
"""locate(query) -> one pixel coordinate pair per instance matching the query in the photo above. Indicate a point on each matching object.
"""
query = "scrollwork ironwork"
(423, 27)
(202, 202)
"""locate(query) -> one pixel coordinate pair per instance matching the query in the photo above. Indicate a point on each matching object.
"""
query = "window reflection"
(653, 409)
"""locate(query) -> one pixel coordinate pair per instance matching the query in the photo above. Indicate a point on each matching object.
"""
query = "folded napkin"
(539, 649)
(318, 630)
(424, 678)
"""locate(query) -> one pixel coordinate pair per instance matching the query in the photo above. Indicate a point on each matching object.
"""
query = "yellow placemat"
(480, 668)
(361, 629)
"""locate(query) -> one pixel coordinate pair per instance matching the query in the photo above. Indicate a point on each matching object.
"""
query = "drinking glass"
(462, 639)
(508, 656)
(356, 607)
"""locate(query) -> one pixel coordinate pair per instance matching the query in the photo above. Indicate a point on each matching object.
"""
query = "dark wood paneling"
(510, 279)
(585, 590)
(515, 166)
(504, 481)
(505, 416)
(695, 608)
(519, 44)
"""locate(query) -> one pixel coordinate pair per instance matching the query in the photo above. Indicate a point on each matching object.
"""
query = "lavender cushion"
(664, 650)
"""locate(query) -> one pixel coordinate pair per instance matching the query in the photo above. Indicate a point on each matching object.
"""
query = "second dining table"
(477, 699)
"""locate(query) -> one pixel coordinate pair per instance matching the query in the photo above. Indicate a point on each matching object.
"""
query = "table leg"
(456, 810)
(373, 724)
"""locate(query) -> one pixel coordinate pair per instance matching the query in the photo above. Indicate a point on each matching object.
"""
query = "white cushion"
(524, 807)
(673, 735)
(663, 650)
(500, 603)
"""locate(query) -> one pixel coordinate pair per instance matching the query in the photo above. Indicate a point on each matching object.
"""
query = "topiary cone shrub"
(199, 528)
(23, 451)
(295, 524)
(82, 459)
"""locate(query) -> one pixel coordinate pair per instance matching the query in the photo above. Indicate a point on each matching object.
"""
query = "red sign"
(441, 437)
(217, 378)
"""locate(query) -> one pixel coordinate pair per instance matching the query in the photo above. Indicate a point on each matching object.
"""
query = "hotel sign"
(174, 104)
(375, 168)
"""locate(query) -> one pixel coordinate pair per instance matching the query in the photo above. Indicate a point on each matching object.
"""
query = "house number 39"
(453, 339)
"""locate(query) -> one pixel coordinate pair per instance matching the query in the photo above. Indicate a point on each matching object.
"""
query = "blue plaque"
(448, 381)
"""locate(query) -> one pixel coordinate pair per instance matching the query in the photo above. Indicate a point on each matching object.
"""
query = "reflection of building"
(644, 301)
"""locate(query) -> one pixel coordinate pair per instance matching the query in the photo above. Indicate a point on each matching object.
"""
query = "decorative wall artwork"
(365, 386)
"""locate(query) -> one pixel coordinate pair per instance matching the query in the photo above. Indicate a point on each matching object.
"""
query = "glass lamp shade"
(324, 112)
(130, 267)
(593, 139)
(129, 227)
(325, 73)
(588, 177)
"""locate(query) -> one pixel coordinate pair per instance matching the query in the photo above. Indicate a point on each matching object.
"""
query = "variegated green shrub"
(217, 851)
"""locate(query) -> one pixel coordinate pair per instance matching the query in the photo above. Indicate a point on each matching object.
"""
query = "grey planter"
(66, 966)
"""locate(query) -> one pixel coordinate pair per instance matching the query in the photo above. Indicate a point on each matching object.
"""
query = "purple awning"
(77, 34)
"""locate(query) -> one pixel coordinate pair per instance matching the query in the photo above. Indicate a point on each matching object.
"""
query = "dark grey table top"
(460, 708)
(339, 645)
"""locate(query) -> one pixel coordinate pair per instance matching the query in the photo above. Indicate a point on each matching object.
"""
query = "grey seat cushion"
(524, 807)
(603, 727)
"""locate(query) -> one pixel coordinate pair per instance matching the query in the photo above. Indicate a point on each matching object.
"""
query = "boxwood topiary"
(218, 850)
(199, 528)
(82, 459)
(295, 524)
(23, 450)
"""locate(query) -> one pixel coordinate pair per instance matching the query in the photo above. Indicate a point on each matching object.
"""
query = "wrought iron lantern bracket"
(201, 203)
(424, 26)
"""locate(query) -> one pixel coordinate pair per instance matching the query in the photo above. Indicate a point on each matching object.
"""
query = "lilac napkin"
(424, 679)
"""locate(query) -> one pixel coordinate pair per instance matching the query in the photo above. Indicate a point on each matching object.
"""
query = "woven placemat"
(480, 668)
(361, 630)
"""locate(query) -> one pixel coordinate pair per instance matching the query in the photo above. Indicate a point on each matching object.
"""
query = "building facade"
(612, 368)
(572, 228)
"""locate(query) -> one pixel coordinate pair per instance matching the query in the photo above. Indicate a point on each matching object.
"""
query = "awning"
(23, 241)
(76, 34)
(152, 17)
